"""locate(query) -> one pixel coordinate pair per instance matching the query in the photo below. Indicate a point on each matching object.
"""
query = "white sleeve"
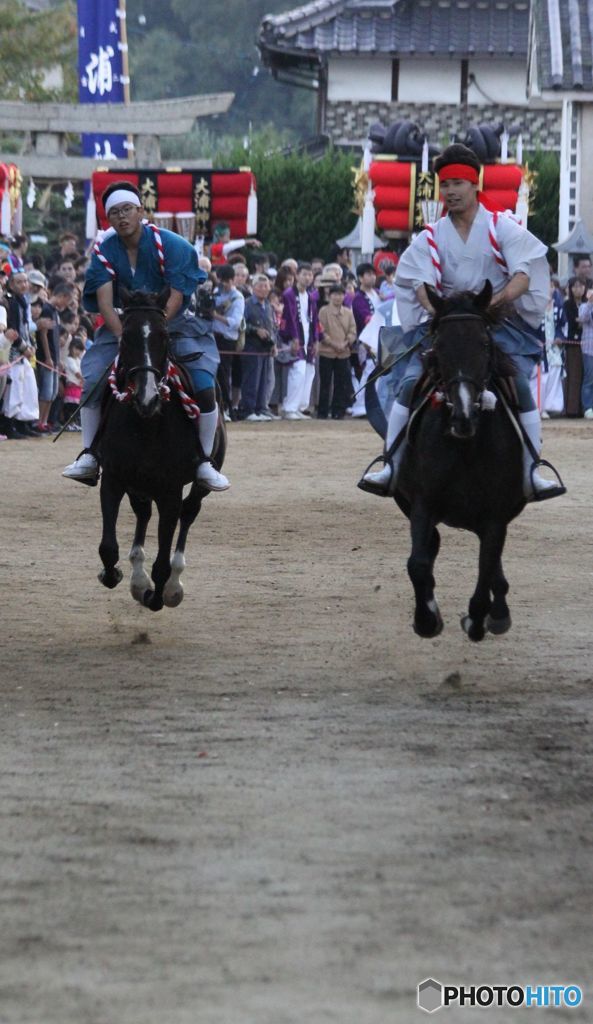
(519, 247)
(229, 247)
(234, 314)
(525, 254)
(414, 269)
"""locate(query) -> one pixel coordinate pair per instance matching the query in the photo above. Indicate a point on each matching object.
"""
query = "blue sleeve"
(96, 276)
(181, 265)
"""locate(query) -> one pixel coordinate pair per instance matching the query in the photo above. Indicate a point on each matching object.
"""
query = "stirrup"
(378, 489)
(549, 492)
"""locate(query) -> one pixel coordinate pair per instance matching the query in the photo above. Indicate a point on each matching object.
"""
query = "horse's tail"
(220, 441)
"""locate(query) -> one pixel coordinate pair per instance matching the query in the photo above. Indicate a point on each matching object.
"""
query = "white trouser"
(298, 386)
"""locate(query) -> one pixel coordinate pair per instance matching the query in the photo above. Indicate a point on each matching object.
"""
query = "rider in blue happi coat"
(135, 255)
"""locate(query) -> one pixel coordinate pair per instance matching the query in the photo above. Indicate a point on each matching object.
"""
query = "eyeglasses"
(121, 211)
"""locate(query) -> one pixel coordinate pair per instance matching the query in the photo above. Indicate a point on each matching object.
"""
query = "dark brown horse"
(463, 463)
(148, 450)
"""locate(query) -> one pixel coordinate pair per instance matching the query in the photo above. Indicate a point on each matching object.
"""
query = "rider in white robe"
(459, 253)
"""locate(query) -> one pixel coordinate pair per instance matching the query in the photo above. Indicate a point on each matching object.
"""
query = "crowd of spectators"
(44, 333)
(563, 384)
(293, 336)
(290, 334)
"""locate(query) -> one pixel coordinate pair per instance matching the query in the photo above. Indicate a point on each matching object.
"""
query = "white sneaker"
(588, 414)
(542, 487)
(380, 479)
(211, 478)
(85, 467)
(254, 417)
(267, 414)
(292, 416)
(545, 415)
(227, 418)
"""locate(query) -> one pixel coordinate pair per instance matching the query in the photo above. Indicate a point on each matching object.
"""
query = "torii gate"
(46, 125)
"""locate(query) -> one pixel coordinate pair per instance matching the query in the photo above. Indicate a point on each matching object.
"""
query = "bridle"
(160, 375)
(165, 379)
(464, 378)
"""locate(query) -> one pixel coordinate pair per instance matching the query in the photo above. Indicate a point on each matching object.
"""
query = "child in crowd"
(387, 286)
(74, 381)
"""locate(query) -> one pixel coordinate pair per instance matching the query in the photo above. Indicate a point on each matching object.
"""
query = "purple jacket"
(363, 310)
(291, 326)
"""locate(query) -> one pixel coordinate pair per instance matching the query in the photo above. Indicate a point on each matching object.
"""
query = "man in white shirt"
(459, 253)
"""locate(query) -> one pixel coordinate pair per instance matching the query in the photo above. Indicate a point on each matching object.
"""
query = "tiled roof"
(460, 28)
(561, 43)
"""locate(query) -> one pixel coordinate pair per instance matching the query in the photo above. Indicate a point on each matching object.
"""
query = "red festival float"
(189, 202)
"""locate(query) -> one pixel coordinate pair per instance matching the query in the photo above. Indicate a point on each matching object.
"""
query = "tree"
(304, 204)
(176, 52)
(545, 199)
(31, 45)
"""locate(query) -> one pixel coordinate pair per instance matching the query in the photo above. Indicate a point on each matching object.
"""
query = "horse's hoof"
(173, 598)
(110, 578)
(473, 631)
(498, 626)
(154, 604)
(428, 630)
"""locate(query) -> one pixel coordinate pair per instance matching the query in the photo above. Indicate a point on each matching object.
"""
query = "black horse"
(463, 464)
(148, 450)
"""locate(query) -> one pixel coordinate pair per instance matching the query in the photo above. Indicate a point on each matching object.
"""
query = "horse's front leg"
(499, 619)
(492, 539)
(140, 582)
(112, 493)
(173, 590)
(425, 548)
(169, 508)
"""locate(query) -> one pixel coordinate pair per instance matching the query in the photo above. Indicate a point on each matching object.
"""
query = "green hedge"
(545, 199)
(304, 204)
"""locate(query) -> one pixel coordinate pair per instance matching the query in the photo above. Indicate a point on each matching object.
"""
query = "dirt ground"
(275, 804)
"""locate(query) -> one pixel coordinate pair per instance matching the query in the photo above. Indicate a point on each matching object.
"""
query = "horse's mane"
(502, 365)
(465, 302)
(144, 300)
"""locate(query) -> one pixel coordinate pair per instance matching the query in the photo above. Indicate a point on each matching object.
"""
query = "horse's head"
(462, 349)
(144, 347)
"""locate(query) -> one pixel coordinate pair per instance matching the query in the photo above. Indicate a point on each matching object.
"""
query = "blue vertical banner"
(100, 71)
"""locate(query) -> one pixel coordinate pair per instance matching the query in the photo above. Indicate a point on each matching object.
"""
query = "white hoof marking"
(173, 589)
(140, 581)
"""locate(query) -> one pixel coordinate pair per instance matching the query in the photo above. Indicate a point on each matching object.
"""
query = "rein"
(145, 309)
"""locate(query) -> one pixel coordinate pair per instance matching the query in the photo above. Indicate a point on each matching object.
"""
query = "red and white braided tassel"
(122, 396)
(435, 259)
(497, 251)
(189, 406)
(159, 246)
(158, 241)
(103, 259)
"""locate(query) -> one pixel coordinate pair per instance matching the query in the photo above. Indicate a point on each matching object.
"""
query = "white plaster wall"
(585, 158)
(504, 82)
(359, 78)
(429, 81)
